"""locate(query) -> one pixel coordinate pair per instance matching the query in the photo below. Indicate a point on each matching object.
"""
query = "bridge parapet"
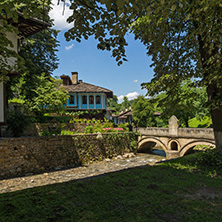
(196, 133)
(153, 131)
(206, 133)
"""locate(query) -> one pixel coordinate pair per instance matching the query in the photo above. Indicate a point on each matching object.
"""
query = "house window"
(71, 99)
(91, 100)
(98, 100)
(84, 100)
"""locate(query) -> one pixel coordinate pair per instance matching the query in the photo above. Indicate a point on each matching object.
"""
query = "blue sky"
(98, 67)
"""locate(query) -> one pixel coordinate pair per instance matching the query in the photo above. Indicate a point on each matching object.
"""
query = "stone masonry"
(31, 155)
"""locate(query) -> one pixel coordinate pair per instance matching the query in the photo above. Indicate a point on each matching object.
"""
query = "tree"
(182, 36)
(143, 112)
(113, 103)
(51, 96)
(8, 17)
(189, 102)
(125, 104)
(40, 57)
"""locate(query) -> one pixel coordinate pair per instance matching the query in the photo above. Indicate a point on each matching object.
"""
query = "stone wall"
(28, 155)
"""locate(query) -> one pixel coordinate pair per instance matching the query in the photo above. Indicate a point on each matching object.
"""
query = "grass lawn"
(174, 191)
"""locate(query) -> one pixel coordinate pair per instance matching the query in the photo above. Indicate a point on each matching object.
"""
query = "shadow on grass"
(148, 193)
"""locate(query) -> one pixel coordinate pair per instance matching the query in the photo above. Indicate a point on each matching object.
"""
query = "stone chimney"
(74, 78)
(66, 80)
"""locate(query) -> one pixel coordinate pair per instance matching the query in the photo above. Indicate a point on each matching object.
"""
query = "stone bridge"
(175, 141)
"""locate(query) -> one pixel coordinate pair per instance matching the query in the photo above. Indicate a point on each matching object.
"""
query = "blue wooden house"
(85, 96)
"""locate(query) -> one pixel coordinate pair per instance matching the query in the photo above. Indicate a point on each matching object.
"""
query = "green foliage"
(113, 103)
(125, 104)
(9, 16)
(17, 122)
(187, 102)
(124, 126)
(52, 131)
(204, 122)
(210, 159)
(143, 112)
(68, 132)
(45, 133)
(50, 97)
(40, 57)
(89, 129)
(34, 58)
(15, 100)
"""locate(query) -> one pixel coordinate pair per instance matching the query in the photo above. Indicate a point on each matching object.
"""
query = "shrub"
(210, 158)
(45, 133)
(68, 132)
(125, 126)
(89, 129)
(17, 122)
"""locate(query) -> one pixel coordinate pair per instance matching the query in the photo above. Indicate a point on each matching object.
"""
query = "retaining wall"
(31, 155)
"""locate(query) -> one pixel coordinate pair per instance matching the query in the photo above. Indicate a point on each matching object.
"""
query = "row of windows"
(84, 100)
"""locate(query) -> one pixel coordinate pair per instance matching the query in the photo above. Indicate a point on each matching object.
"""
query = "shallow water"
(159, 152)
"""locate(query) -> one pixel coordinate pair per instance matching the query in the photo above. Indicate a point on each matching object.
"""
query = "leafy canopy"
(8, 16)
(189, 102)
(143, 112)
(50, 96)
(183, 37)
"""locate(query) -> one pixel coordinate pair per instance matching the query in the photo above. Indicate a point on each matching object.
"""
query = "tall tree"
(40, 57)
(183, 37)
(50, 96)
(189, 102)
(125, 104)
(113, 103)
(143, 112)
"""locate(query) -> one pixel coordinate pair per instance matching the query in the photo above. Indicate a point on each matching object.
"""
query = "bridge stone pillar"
(171, 154)
(173, 126)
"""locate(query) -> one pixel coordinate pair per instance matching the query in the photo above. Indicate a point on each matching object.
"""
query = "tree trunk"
(214, 94)
(186, 119)
(216, 115)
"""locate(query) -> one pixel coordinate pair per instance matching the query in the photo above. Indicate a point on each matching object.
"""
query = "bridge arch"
(192, 144)
(174, 144)
(152, 141)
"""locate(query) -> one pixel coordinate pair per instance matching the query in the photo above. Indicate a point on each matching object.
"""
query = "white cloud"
(69, 47)
(130, 96)
(59, 18)
(136, 80)
(120, 98)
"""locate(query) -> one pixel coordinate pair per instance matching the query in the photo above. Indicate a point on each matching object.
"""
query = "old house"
(127, 116)
(85, 96)
(123, 117)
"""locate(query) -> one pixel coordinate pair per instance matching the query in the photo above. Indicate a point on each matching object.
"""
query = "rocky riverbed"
(94, 169)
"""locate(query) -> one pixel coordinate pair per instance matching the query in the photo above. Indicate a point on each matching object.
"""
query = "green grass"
(173, 191)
